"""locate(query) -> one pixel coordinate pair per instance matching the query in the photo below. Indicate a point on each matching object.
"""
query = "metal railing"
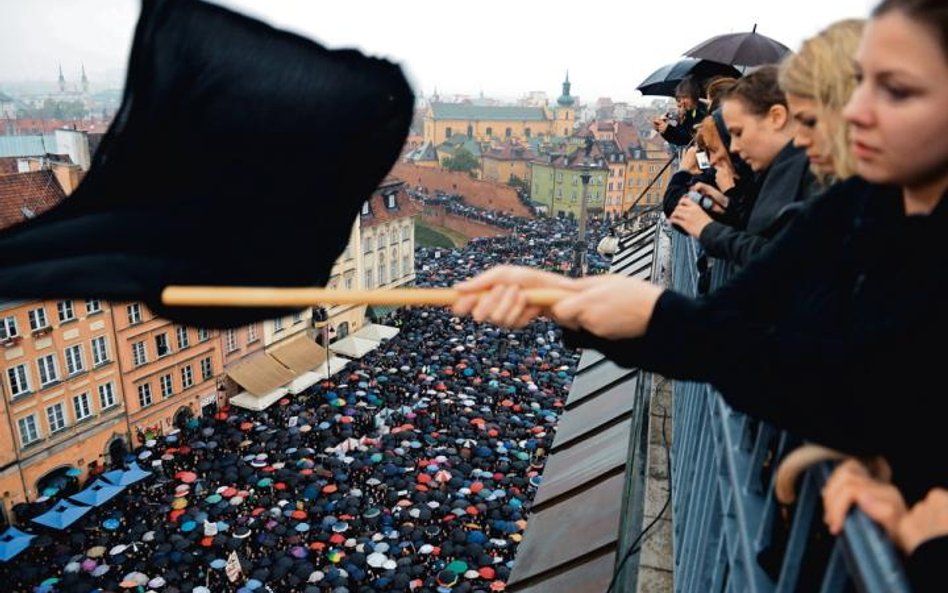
(730, 534)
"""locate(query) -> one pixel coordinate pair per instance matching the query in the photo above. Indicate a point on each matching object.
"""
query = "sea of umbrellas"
(412, 469)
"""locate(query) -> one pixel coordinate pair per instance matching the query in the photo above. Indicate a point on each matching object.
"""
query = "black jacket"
(836, 331)
(926, 566)
(681, 134)
(786, 182)
(737, 211)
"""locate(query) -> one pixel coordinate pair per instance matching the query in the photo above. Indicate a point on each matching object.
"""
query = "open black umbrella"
(225, 124)
(664, 80)
(740, 49)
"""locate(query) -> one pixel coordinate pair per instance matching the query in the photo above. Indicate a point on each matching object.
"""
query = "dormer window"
(366, 210)
(390, 201)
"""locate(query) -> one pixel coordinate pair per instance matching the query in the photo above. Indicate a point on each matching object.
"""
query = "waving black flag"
(240, 155)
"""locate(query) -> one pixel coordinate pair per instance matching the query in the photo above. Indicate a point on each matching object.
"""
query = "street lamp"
(579, 253)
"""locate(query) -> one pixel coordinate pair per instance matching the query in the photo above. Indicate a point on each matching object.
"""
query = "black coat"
(681, 134)
(739, 197)
(835, 332)
(786, 182)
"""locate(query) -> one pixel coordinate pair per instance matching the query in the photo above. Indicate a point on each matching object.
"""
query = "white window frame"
(162, 340)
(144, 395)
(297, 317)
(187, 377)
(74, 362)
(203, 334)
(277, 324)
(100, 350)
(166, 383)
(18, 378)
(61, 422)
(252, 332)
(93, 306)
(230, 341)
(207, 368)
(8, 328)
(66, 311)
(134, 312)
(38, 319)
(82, 406)
(48, 368)
(181, 334)
(139, 353)
(107, 396)
(28, 424)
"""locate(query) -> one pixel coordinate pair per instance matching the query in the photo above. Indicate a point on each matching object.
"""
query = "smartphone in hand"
(703, 161)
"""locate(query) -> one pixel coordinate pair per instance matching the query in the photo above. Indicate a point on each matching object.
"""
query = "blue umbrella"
(253, 584)
(188, 526)
(302, 527)
(62, 515)
(218, 563)
(12, 542)
(111, 524)
(73, 472)
(133, 474)
(97, 494)
(51, 491)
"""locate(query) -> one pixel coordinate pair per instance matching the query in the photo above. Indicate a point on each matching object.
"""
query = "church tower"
(565, 111)
(62, 80)
(85, 81)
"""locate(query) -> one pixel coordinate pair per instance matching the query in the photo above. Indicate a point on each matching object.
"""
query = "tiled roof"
(466, 111)
(510, 152)
(8, 165)
(574, 530)
(380, 212)
(25, 195)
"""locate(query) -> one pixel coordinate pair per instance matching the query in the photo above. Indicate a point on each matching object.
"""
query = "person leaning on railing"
(690, 112)
(919, 531)
(831, 332)
(761, 132)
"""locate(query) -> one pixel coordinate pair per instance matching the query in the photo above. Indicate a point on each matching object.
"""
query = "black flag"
(240, 155)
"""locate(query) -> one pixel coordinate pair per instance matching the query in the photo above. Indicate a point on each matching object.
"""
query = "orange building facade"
(64, 406)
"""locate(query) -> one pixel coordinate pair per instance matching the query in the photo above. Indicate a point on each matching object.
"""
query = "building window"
(187, 376)
(139, 356)
(47, 369)
(406, 233)
(56, 417)
(144, 395)
(231, 340)
(8, 328)
(161, 345)
(19, 380)
(366, 244)
(166, 383)
(406, 264)
(106, 395)
(366, 210)
(65, 311)
(207, 370)
(278, 324)
(490, 131)
(390, 201)
(527, 133)
(382, 278)
(28, 431)
(395, 273)
(368, 279)
(447, 132)
(74, 362)
(183, 340)
(80, 404)
(381, 242)
(508, 133)
(100, 351)
(134, 313)
(203, 334)
(93, 306)
(349, 280)
(38, 319)
(297, 317)
(252, 332)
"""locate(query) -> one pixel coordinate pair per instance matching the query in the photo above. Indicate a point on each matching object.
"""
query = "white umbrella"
(316, 576)
(390, 564)
(72, 567)
(116, 550)
(137, 577)
(156, 583)
(376, 559)
(236, 501)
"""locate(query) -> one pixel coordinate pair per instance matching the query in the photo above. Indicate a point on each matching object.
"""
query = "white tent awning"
(377, 332)
(353, 346)
(248, 401)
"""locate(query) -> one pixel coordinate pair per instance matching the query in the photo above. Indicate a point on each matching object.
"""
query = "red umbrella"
(280, 486)
(486, 572)
(337, 538)
(330, 488)
(229, 492)
(184, 450)
(298, 514)
(186, 477)
(245, 426)
(221, 416)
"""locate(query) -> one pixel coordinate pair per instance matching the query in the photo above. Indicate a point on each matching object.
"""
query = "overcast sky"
(504, 48)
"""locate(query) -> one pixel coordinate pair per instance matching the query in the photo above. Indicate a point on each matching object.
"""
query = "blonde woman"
(818, 81)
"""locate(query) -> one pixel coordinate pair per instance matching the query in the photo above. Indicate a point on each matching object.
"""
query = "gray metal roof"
(17, 146)
(487, 112)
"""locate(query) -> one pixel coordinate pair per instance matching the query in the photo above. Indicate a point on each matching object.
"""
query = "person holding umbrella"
(680, 130)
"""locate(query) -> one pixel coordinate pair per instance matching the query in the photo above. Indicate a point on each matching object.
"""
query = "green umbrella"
(213, 499)
(458, 566)
(264, 482)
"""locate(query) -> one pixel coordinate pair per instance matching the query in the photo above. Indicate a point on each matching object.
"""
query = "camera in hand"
(700, 199)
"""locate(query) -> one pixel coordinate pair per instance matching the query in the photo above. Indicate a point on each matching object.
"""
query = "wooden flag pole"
(247, 296)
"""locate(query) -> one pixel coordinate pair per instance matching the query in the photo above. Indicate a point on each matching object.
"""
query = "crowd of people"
(827, 190)
(412, 469)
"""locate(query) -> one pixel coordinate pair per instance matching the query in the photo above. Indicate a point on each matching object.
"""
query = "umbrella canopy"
(235, 139)
(664, 80)
(97, 494)
(740, 49)
(62, 515)
(133, 474)
(12, 542)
